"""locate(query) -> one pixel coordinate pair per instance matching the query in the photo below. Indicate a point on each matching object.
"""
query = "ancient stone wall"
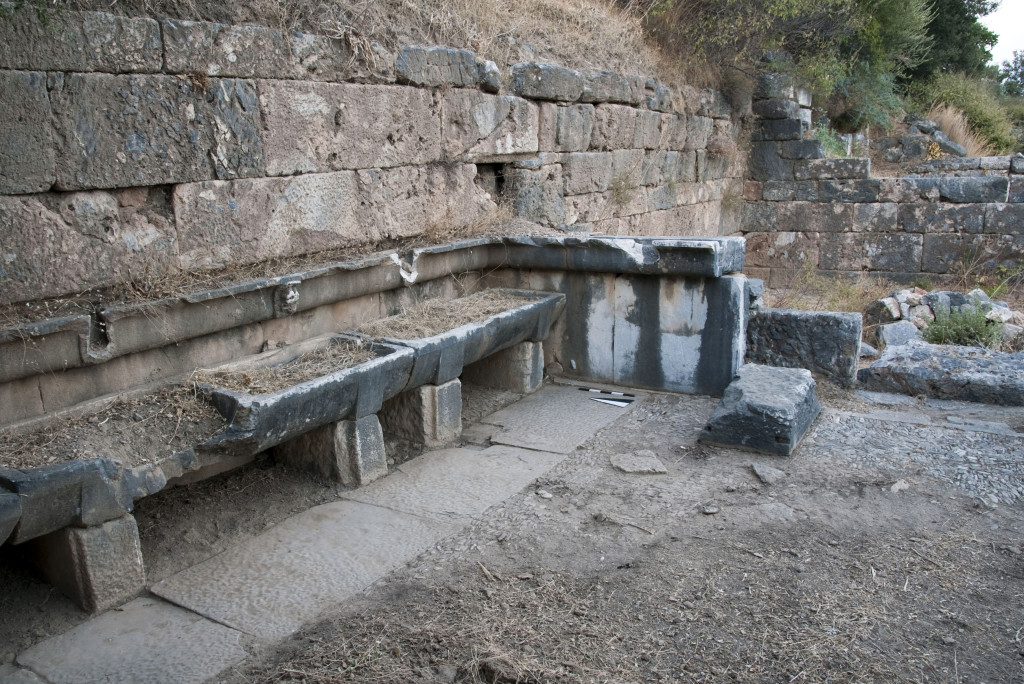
(131, 148)
(805, 211)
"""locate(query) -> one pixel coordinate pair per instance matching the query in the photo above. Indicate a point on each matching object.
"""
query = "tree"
(960, 43)
(1012, 75)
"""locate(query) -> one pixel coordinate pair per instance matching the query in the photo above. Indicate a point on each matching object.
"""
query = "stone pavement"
(199, 621)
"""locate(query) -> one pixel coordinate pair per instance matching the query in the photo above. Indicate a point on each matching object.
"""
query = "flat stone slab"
(948, 372)
(764, 409)
(644, 462)
(452, 483)
(272, 584)
(146, 640)
(555, 418)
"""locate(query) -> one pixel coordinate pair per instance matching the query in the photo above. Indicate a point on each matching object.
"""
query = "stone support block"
(430, 414)
(20, 399)
(34, 37)
(673, 131)
(546, 82)
(348, 451)
(26, 142)
(319, 127)
(765, 409)
(606, 86)
(124, 131)
(97, 567)
(821, 341)
(435, 66)
(778, 129)
(1004, 219)
(479, 127)
(1017, 163)
(941, 218)
(519, 368)
(959, 190)
(832, 169)
(649, 132)
(658, 98)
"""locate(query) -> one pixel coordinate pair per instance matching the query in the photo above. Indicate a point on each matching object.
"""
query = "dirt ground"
(858, 564)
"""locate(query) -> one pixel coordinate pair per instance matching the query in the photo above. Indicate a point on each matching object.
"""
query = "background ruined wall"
(132, 148)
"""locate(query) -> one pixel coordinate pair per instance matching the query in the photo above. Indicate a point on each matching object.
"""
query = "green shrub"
(976, 99)
(967, 327)
(830, 140)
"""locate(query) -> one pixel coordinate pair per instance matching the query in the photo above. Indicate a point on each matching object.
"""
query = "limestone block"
(895, 334)
(349, 451)
(698, 132)
(832, 169)
(970, 189)
(59, 40)
(802, 149)
(627, 169)
(1004, 219)
(673, 131)
(659, 97)
(894, 252)
(122, 131)
(1016, 192)
(97, 567)
(586, 172)
(945, 252)
(775, 109)
(713, 103)
(930, 217)
(616, 128)
(605, 86)
(490, 76)
(477, 126)
(789, 191)
(537, 194)
(820, 341)
(245, 51)
(782, 249)
(547, 126)
(574, 127)
(26, 143)
(55, 244)
(429, 414)
(436, 66)
(778, 129)
(519, 368)
(20, 399)
(318, 127)
(1017, 163)
(546, 82)
(649, 132)
(849, 190)
(765, 409)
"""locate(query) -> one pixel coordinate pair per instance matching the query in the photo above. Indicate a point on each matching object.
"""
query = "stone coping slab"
(441, 358)
(258, 421)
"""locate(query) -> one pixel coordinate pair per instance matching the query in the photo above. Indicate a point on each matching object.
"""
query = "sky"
(1008, 22)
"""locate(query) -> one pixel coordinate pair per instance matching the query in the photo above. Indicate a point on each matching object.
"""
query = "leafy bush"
(830, 140)
(976, 99)
(967, 327)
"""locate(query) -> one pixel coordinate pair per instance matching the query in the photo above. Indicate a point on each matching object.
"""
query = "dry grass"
(313, 364)
(954, 124)
(435, 316)
(811, 291)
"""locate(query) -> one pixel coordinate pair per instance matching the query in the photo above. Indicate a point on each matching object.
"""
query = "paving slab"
(146, 641)
(555, 418)
(271, 585)
(453, 483)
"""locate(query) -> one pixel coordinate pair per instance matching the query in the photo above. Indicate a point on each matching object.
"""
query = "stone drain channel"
(195, 624)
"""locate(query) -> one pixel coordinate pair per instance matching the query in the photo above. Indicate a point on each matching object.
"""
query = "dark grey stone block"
(1017, 163)
(773, 85)
(490, 76)
(1016, 193)
(546, 82)
(860, 191)
(436, 66)
(832, 169)
(933, 217)
(778, 129)
(802, 149)
(820, 341)
(973, 189)
(915, 146)
(764, 409)
(765, 164)
(789, 191)
(948, 372)
(1004, 219)
(895, 334)
(10, 513)
(775, 108)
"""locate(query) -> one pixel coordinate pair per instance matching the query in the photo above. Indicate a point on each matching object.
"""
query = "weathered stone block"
(317, 127)
(476, 126)
(537, 194)
(55, 244)
(943, 253)
(585, 172)
(778, 129)
(948, 146)
(659, 97)
(1017, 163)
(895, 334)
(349, 451)
(894, 252)
(875, 218)
(1004, 219)
(546, 82)
(849, 190)
(802, 149)
(765, 409)
(605, 86)
(941, 218)
(435, 66)
(774, 85)
(574, 126)
(973, 189)
(673, 131)
(58, 40)
(782, 250)
(832, 169)
(20, 399)
(698, 132)
(430, 414)
(97, 567)
(1016, 191)
(244, 51)
(649, 130)
(10, 513)
(765, 164)
(122, 131)
(820, 341)
(26, 143)
(519, 368)
(788, 191)
(775, 109)
(616, 128)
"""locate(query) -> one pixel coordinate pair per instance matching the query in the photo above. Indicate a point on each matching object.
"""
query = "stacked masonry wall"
(804, 211)
(131, 148)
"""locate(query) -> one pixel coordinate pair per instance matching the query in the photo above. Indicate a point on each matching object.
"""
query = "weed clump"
(966, 327)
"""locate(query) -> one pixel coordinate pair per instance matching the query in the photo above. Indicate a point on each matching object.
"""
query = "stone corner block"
(764, 409)
(519, 368)
(430, 415)
(97, 567)
(546, 82)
